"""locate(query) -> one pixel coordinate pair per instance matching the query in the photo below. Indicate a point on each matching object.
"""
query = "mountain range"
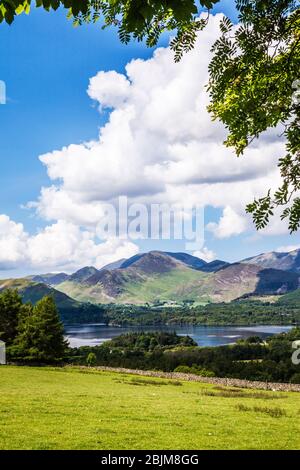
(284, 261)
(166, 277)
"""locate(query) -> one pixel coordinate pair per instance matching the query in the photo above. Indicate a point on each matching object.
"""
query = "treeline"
(32, 334)
(83, 312)
(243, 312)
(251, 359)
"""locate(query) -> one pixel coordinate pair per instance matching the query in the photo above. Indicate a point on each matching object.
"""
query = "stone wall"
(278, 387)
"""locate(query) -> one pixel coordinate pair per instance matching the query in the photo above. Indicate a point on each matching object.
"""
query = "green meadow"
(70, 408)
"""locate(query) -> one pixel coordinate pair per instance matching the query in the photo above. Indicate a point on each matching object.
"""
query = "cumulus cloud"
(287, 248)
(61, 245)
(109, 88)
(230, 224)
(13, 241)
(206, 254)
(159, 145)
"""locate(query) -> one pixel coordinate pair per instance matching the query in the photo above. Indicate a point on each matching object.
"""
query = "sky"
(88, 119)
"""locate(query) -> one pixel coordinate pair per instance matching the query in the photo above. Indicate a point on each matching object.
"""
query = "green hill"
(71, 311)
(292, 299)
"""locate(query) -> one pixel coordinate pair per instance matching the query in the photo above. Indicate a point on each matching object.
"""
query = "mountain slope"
(82, 274)
(154, 261)
(70, 309)
(291, 299)
(185, 258)
(136, 283)
(284, 261)
(241, 279)
(113, 265)
(158, 276)
(214, 266)
(51, 279)
(189, 260)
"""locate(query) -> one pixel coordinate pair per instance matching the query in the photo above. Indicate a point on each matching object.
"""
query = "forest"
(252, 359)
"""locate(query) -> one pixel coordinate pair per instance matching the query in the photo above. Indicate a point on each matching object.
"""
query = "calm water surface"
(95, 334)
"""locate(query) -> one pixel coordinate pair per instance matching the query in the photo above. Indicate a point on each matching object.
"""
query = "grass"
(67, 408)
(273, 412)
(152, 383)
(237, 392)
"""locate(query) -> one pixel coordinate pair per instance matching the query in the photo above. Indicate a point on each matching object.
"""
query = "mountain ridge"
(156, 275)
(166, 276)
(286, 261)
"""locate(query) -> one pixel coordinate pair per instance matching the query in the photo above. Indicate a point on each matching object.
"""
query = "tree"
(295, 379)
(140, 19)
(254, 78)
(91, 359)
(40, 334)
(10, 8)
(10, 308)
(253, 87)
(134, 18)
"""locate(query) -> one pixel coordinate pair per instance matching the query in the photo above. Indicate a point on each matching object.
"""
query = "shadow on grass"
(157, 383)
(273, 412)
(238, 393)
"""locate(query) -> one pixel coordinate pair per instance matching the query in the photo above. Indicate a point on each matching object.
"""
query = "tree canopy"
(40, 333)
(254, 86)
(137, 17)
(10, 8)
(10, 307)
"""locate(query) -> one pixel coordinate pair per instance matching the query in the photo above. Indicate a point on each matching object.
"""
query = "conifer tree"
(10, 307)
(40, 334)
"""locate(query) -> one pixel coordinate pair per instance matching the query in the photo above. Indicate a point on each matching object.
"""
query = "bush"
(295, 379)
(195, 370)
(91, 359)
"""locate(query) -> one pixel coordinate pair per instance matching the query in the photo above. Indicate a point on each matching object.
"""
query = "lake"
(96, 333)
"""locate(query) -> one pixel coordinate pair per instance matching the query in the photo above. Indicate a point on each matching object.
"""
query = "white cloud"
(61, 245)
(287, 248)
(12, 243)
(205, 254)
(109, 88)
(229, 224)
(158, 145)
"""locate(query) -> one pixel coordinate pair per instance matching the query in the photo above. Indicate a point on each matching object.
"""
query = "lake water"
(95, 334)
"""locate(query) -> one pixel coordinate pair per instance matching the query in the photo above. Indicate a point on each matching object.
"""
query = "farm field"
(72, 408)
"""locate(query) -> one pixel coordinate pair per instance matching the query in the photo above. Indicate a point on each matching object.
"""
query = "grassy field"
(68, 408)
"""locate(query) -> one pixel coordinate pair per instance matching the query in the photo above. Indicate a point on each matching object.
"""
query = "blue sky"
(46, 64)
